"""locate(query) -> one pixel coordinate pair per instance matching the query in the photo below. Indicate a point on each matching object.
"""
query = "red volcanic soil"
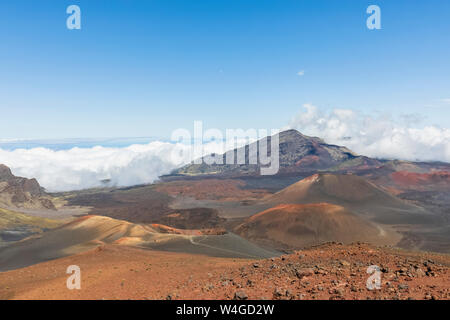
(211, 189)
(319, 186)
(307, 161)
(302, 225)
(114, 272)
(330, 271)
(335, 271)
(438, 179)
(340, 189)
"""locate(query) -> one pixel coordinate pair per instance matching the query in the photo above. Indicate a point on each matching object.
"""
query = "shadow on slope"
(91, 231)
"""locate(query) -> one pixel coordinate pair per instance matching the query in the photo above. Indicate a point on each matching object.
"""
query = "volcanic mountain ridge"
(18, 192)
(297, 153)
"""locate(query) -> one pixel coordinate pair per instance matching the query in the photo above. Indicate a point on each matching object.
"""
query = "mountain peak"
(21, 192)
(292, 134)
(5, 173)
(335, 188)
(297, 153)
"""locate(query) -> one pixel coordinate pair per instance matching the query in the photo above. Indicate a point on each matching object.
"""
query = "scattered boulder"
(304, 272)
(240, 295)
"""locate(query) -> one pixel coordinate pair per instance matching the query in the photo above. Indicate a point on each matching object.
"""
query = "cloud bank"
(380, 137)
(81, 168)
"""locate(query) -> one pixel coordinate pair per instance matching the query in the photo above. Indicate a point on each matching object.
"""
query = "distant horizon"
(85, 164)
(123, 142)
(83, 101)
(68, 143)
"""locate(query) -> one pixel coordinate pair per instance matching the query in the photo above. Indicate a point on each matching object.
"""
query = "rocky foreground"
(335, 271)
(330, 271)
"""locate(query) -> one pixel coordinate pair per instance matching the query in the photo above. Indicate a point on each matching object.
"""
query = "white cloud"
(447, 101)
(81, 168)
(380, 137)
(301, 73)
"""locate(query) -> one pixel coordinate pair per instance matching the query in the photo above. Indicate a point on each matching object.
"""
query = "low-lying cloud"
(380, 137)
(81, 168)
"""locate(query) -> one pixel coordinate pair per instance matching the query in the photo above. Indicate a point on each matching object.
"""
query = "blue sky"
(145, 68)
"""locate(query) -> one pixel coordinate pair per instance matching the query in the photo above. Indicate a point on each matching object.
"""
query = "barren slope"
(302, 225)
(329, 271)
(353, 193)
(91, 231)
